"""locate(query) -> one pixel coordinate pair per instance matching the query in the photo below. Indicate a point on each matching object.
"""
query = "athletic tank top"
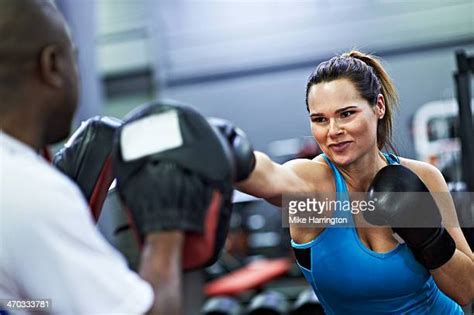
(349, 278)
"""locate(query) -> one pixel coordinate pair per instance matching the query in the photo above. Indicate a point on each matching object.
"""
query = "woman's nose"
(334, 128)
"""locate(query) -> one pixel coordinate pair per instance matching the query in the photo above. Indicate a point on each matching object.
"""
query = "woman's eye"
(319, 120)
(347, 114)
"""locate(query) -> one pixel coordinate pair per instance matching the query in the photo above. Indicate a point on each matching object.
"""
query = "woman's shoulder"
(317, 165)
(428, 173)
(315, 171)
(418, 166)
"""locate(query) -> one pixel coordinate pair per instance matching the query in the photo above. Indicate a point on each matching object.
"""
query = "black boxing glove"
(86, 159)
(403, 202)
(241, 148)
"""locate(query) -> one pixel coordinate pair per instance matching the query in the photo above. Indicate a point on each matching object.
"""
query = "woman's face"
(342, 122)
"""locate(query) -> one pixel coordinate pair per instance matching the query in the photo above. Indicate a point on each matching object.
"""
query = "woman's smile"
(340, 147)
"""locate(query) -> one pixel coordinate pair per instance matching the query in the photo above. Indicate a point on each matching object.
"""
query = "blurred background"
(248, 61)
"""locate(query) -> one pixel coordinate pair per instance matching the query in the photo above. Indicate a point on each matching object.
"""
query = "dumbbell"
(307, 303)
(221, 305)
(268, 303)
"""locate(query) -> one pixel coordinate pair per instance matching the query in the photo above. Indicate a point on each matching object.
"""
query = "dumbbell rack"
(462, 78)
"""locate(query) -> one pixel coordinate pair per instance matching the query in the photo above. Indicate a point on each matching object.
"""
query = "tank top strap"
(392, 159)
(339, 179)
(342, 194)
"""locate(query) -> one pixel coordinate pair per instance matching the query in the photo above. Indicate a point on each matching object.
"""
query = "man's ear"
(49, 66)
(380, 106)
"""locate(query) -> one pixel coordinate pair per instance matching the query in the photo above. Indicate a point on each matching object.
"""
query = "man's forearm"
(161, 266)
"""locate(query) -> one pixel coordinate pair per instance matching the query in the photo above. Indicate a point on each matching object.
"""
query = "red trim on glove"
(46, 154)
(199, 248)
(101, 188)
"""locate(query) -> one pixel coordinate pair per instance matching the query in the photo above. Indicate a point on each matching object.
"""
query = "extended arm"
(270, 180)
(256, 174)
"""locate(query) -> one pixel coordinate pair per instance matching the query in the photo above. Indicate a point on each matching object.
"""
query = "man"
(49, 246)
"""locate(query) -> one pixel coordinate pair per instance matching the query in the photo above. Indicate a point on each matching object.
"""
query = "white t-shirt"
(50, 247)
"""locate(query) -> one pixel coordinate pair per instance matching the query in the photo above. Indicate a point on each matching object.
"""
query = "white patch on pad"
(151, 135)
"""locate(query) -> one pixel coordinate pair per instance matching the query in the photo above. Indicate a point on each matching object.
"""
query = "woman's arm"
(456, 277)
(255, 173)
(269, 180)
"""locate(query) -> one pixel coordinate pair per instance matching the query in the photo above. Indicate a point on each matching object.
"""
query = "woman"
(351, 100)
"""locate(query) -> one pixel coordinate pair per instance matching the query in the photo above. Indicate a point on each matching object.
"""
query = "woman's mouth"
(340, 147)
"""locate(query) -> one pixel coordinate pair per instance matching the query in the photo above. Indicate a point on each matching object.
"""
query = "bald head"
(38, 72)
(26, 26)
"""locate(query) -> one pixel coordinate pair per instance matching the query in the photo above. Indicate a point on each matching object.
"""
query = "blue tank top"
(349, 278)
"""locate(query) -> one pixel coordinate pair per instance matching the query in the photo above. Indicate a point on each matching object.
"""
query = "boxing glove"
(86, 159)
(403, 202)
(241, 148)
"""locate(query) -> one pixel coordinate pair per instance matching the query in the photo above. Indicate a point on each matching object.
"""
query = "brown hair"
(369, 78)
